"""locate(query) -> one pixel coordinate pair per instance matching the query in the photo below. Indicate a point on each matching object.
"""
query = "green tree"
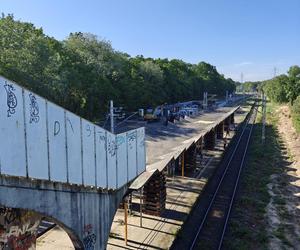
(84, 72)
(276, 88)
(293, 84)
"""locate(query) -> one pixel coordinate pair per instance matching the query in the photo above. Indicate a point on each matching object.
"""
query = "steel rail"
(44, 227)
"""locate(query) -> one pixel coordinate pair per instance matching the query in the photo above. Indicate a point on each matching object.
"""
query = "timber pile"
(154, 198)
(210, 140)
(220, 130)
(232, 119)
(226, 124)
(190, 158)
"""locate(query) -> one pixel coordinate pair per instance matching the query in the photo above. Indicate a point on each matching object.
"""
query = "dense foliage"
(82, 73)
(251, 86)
(284, 88)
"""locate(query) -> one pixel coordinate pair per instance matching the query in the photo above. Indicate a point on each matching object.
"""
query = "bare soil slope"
(283, 211)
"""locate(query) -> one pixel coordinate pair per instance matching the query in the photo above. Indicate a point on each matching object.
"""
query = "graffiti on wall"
(17, 229)
(89, 238)
(141, 136)
(120, 140)
(111, 147)
(131, 137)
(34, 109)
(49, 134)
(12, 101)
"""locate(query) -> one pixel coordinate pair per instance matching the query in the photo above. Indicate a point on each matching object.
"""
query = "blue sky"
(249, 36)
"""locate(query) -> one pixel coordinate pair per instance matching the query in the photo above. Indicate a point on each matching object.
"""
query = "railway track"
(44, 227)
(209, 219)
(212, 228)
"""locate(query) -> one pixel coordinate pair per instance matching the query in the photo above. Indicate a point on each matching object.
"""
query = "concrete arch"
(22, 224)
(85, 214)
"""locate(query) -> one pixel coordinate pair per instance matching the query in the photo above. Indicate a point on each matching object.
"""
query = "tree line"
(284, 88)
(82, 73)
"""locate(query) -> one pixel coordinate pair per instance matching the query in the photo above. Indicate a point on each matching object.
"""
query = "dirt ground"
(283, 211)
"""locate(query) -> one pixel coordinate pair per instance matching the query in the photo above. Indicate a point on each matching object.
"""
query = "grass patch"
(248, 226)
(296, 121)
(295, 112)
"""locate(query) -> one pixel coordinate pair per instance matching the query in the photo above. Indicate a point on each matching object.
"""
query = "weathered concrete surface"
(85, 214)
(54, 239)
(18, 228)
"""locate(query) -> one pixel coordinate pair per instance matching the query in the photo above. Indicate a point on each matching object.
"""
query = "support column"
(170, 169)
(199, 148)
(190, 157)
(177, 165)
(182, 164)
(154, 200)
(220, 130)
(210, 140)
(232, 118)
(130, 203)
(125, 220)
(226, 125)
(18, 228)
(141, 207)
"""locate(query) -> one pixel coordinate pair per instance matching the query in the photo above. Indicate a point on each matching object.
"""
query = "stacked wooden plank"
(232, 119)
(154, 200)
(210, 140)
(191, 157)
(220, 130)
(226, 124)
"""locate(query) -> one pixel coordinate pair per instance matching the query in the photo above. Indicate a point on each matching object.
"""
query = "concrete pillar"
(220, 130)
(210, 140)
(18, 228)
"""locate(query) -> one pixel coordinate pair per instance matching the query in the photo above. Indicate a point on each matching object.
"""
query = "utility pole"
(226, 96)
(263, 136)
(205, 100)
(242, 82)
(112, 128)
(275, 72)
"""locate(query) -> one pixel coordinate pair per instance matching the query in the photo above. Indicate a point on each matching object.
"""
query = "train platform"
(158, 232)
